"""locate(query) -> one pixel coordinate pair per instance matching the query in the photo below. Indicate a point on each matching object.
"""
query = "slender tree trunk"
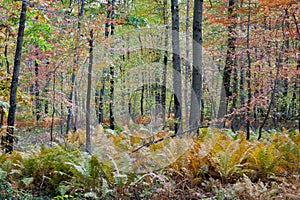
(197, 66)
(102, 95)
(230, 63)
(53, 107)
(142, 99)
(46, 93)
(1, 118)
(6, 52)
(88, 96)
(274, 90)
(284, 107)
(97, 103)
(8, 140)
(111, 102)
(112, 26)
(170, 105)
(62, 113)
(176, 67)
(111, 18)
(233, 17)
(248, 74)
(166, 55)
(296, 85)
(37, 92)
(107, 24)
(157, 96)
(70, 124)
(242, 90)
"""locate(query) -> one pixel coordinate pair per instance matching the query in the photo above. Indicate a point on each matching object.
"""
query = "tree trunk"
(101, 99)
(296, 85)
(248, 74)
(230, 63)
(187, 64)
(233, 17)
(70, 124)
(274, 90)
(166, 55)
(107, 23)
(37, 92)
(142, 99)
(111, 102)
(53, 107)
(88, 96)
(62, 113)
(6, 51)
(46, 93)
(110, 18)
(196, 92)
(176, 67)
(9, 139)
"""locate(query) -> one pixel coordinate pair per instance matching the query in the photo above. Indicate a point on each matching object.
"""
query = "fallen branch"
(163, 138)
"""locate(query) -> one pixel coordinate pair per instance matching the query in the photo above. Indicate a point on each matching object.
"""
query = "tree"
(176, 67)
(88, 95)
(8, 140)
(72, 104)
(187, 63)
(196, 93)
(37, 91)
(110, 18)
(165, 62)
(229, 63)
(248, 73)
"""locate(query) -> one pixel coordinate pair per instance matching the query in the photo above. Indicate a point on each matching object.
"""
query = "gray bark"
(176, 67)
(88, 95)
(196, 92)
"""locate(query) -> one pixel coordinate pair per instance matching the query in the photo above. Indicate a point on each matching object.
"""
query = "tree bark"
(53, 107)
(46, 93)
(230, 63)
(166, 55)
(142, 99)
(6, 52)
(187, 64)
(37, 92)
(112, 74)
(8, 140)
(88, 95)
(196, 92)
(248, 74)
(176, 67)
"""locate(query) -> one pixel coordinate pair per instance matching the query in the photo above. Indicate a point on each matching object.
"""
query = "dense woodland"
(150, 99)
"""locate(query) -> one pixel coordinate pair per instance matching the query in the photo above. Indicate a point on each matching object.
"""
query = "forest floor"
(194, 176)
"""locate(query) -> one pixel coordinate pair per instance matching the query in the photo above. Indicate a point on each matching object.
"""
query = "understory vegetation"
(218, 165)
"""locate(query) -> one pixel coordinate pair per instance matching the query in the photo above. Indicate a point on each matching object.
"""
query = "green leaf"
(78, 168)
(62, 189)
(27, 181)
(91, 195)
(3, 174)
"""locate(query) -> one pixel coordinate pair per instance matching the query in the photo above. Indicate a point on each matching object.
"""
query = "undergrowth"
(218, 165)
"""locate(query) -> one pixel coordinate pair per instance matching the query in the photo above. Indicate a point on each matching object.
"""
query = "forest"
(149, 99)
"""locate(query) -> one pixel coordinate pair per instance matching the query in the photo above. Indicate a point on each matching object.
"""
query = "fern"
(229, 158)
